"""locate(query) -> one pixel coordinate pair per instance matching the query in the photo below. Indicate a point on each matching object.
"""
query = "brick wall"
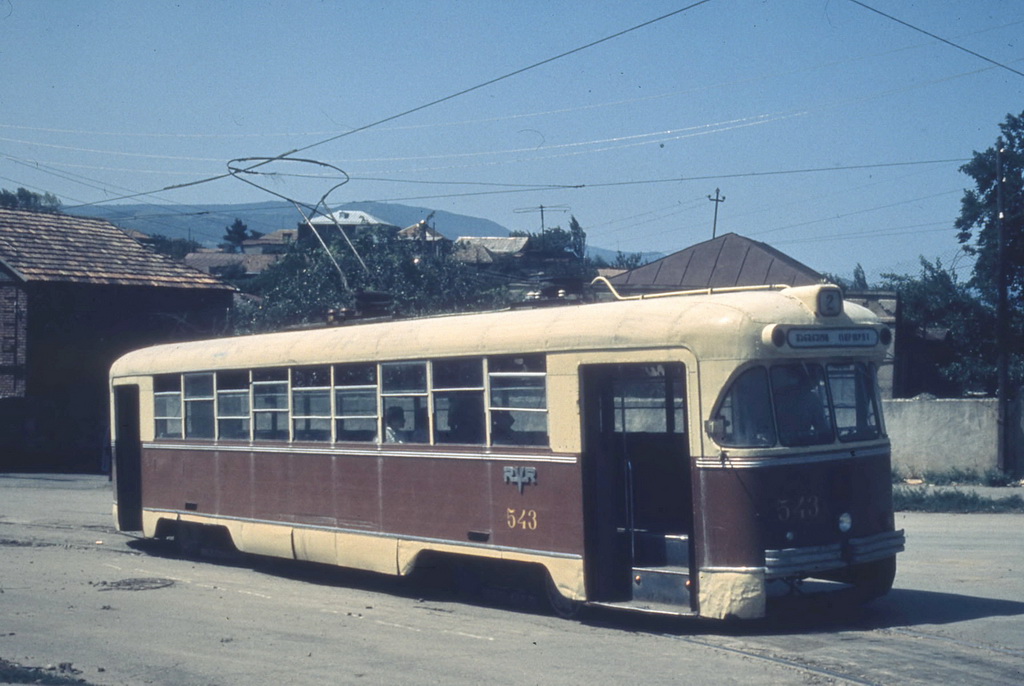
(13, 335)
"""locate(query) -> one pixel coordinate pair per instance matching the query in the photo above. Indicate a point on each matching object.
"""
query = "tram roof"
(712, 325)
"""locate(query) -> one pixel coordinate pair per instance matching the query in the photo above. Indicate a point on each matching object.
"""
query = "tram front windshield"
(800, 404)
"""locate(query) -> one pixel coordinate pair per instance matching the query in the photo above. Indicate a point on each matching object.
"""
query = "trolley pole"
(717, 200)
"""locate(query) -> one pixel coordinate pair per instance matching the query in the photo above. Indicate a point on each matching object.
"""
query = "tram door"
(128, 458)
(637, 493)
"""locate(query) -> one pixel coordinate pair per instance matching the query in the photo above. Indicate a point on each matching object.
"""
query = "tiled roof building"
(75, 294)
(37, 247)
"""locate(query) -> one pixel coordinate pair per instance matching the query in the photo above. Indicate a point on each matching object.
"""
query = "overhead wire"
(430, 104)
(938, 38)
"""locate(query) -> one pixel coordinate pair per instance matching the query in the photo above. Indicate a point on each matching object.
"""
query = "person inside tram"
(394, 424)
(800, 406)
(502, 431)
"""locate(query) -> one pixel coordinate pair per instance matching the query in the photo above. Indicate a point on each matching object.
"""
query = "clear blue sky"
(106, 99)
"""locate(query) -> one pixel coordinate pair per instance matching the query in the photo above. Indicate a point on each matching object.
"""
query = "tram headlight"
(845, 522)
(773, 334)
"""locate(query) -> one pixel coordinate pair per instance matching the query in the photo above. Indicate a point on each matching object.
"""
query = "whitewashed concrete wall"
(936, 435)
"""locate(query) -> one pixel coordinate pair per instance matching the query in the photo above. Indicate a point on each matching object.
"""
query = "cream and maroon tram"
(678, 454)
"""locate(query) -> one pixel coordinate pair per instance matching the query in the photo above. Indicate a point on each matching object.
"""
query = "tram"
(687, 454)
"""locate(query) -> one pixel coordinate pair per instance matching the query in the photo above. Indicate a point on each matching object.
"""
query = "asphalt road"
(86, 603)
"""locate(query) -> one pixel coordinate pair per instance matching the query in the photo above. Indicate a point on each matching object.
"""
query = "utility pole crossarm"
(542, 209)
(718, 199)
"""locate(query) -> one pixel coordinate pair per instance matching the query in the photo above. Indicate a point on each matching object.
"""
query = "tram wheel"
(565, 608)
(869, 580)
(189, 539)
(873, 579)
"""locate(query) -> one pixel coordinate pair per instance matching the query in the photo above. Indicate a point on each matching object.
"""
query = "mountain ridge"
(206, 224)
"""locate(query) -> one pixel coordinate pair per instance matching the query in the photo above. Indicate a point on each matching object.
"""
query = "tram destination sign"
(832, 338)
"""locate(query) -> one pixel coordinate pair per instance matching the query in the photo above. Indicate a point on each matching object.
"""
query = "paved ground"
(95, 605)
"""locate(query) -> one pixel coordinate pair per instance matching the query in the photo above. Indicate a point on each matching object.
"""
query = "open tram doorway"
(637, 484)
(128, 458)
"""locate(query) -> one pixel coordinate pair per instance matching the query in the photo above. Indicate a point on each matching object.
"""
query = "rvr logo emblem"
(521, 476)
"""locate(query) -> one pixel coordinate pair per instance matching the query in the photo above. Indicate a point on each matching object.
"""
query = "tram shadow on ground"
(437, 578)
(829, 612)
(521, 588)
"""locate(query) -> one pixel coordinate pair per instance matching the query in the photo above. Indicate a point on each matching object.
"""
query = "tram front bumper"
(797, 562)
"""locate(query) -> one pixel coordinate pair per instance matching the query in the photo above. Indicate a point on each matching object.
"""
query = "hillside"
(206, 223)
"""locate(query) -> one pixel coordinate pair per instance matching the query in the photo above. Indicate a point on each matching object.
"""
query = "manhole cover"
(134, 584)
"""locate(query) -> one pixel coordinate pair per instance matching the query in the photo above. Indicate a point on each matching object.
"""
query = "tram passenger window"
(404, 377)
(404, 400)
(233, 405)
(801, 404)
(167, 405)
(745, 412)
(199, 406)
(459, 401)
(311, 403)
(355, 402)
(518, 400)
(270, 404)
(459, 417)
(855, 399)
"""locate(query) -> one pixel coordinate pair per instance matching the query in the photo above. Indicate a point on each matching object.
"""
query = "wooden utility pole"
(717, 200)
(541, 209)
(1004, 461)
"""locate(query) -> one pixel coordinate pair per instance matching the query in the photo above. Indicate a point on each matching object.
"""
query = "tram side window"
(311, 403)
(518, 400)
(801, 404)
(745, 413)
(233, 405)
(355, 402)
(404, 399)
(199, 421)
(855, 398)
(458, 387)
(270, 404)
(167, 405)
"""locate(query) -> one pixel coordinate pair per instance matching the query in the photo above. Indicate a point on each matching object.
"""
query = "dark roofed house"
(725, 262)
(731, 261)
(75, 294)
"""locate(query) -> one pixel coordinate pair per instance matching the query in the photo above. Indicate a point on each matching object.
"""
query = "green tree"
(859, 282)
(977, 225)
(420, 279)
(235, 235)
(936, 300)
(978, 230)
(557, 253)
(23, 199)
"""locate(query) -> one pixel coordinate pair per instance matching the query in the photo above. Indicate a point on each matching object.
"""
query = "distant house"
(228, 264)
(256, 256)
(275, 243)
(490, 250)
(352, 222)
(421, 231)
(75, 294)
